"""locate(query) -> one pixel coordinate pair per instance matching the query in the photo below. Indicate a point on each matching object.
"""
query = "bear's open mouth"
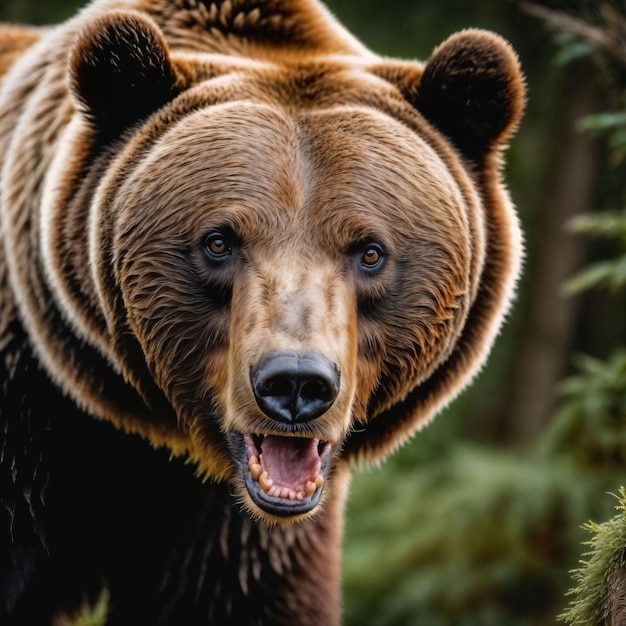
(285, 475)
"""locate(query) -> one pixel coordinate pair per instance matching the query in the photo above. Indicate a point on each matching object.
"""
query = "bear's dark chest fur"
(79, 498)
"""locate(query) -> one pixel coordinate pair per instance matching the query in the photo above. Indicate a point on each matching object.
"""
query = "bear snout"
(290, 388)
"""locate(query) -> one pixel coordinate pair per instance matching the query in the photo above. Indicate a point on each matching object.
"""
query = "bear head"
(294, 258)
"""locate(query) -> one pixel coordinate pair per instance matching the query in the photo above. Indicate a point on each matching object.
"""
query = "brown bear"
(256, 253)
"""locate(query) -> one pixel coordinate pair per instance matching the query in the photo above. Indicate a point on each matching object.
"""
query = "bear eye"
(218, 246)
(372, 257)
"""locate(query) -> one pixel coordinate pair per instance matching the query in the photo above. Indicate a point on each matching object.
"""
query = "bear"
(242, 255)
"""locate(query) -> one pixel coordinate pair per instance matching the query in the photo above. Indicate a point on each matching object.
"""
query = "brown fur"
(616, 610)
(14, 41)
(171, 119)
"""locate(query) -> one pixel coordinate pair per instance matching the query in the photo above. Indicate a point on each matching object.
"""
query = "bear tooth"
(255, 470)
(274, 490)
(265, 481)
(268, 486)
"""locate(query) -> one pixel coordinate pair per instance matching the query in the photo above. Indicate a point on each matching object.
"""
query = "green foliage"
(610, 273)
(476, 536)
(613, 124)
(571, 48)
(607, 555)
(609, 225)
(592, 422)
(590, 427)
(37, 12)
(467, 535)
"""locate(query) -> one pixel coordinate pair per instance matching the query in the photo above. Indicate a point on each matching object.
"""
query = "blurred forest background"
(479, 520)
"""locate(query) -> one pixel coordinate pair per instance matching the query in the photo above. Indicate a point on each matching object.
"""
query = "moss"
(594, 595)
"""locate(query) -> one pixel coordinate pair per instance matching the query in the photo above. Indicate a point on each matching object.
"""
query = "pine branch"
(611, 37)
(600, 595)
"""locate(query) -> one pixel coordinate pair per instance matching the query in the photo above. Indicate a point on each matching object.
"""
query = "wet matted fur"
(255, 252)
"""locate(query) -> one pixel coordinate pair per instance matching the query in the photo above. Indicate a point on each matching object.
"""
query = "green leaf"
(601, 274)
(572, 51)
(608, 224)
(601, 122)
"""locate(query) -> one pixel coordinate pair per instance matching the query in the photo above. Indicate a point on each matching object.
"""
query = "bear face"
(275, 269)
(291, 259)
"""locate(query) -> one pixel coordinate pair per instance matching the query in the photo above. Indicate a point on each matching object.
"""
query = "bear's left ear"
(120, 71)
(472, 90)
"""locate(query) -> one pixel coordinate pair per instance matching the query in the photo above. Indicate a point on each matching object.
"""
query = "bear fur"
(240, 252)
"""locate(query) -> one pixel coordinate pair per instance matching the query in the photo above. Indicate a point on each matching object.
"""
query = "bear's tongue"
(287, 467)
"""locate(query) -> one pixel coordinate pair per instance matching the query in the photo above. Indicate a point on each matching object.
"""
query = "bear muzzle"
(284, 474)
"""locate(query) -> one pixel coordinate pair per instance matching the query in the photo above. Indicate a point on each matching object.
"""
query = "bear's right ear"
(120, 71)
(473, 91)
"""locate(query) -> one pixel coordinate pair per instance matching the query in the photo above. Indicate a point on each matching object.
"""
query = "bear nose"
(295, 388)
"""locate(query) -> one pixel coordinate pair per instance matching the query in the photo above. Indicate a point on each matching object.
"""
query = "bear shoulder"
(14, 41)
